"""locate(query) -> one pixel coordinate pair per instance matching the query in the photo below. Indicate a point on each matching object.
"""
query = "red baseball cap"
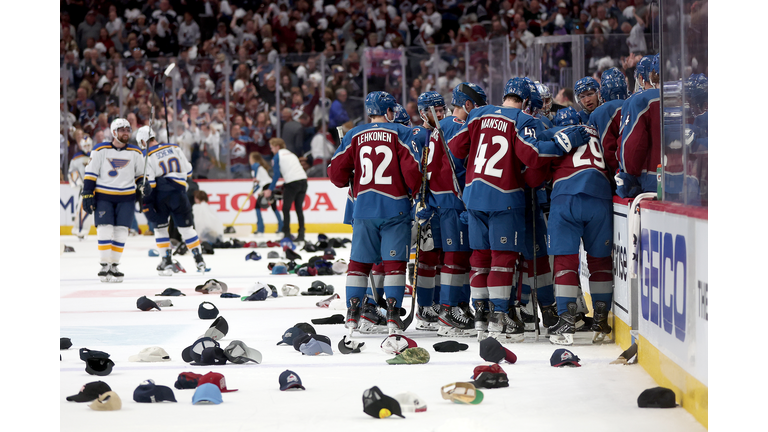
(494, 368)
(216, 379)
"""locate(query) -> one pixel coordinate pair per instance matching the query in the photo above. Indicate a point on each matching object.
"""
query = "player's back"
(640, 146)
(443, 193)
(381, 161)
(170, 166)
(606, 119)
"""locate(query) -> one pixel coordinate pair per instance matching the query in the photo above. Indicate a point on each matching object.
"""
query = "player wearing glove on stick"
(83, 220)
(497, 141)
(111, 180)
(379, 159)
(170, 168)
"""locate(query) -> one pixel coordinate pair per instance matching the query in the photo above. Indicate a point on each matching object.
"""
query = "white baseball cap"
(409, 401)
(151, 354)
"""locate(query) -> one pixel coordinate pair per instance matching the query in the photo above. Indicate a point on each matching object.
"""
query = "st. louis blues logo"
(116, 165)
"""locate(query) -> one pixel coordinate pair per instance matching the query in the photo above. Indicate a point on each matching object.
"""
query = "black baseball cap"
(212, 356)
(218, 329)
(146, 304)
(350, 346)
(491, 380)
(378, 405)
(99, 366)
(194, 351)
(657, 397)
(64, 343)
(492, 351)
(207, 313)
(563, 357)
(333, 319)
(149, 392)
(90, 391)
(86, 354)
(187, 380)
(171, 292)
(449, 346)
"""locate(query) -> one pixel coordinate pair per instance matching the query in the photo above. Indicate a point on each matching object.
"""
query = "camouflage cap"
(416, 355)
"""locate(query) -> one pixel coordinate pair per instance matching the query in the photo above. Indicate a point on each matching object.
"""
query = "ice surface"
(100, 316)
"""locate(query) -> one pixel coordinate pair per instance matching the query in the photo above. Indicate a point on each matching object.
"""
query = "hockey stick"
(167, 74)
(534, 295)
(146, 150)
(423, 193)
(231, 228)
(447, 153)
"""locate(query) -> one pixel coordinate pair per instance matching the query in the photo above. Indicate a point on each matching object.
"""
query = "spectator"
(263, 131)
(338, 114)
(208, 226)
(636, 38)
(88, 29)
(238, 154)
(292, 132)
(447, 82)
(189, 32)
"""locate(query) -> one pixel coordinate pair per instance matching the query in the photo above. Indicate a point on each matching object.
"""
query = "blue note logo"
(116, 165)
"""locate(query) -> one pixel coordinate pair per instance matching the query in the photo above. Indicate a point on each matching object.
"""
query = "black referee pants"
(294, 192)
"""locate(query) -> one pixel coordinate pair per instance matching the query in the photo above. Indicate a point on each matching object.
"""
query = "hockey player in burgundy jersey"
(587, 91)
(497, 141)
(607, 117)
(445, 206)
(639, 151)
(581, 210)
(379, 159)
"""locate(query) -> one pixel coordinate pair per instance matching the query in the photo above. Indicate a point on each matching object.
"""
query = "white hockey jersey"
(77, 169)
(112, 172)
(168, 161)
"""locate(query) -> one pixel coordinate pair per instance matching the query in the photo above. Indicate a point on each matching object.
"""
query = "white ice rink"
(101, 316)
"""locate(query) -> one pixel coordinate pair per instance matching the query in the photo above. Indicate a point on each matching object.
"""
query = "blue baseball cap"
(259, 295)
(253, 256)
(291, 334)
(279, 269)
(290, 380)
(148, 392)
(207, 393)
(315, 347)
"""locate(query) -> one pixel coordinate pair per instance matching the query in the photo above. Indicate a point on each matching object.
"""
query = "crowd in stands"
(113, 53)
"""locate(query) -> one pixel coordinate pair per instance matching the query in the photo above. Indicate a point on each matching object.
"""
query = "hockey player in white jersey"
(170, 169)
(82, 221)
(109, 188)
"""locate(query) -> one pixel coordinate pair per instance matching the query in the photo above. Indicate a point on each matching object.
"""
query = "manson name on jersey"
(494, 123)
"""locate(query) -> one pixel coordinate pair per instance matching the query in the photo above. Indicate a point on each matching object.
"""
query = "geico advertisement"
(324, 202)
(672, 302)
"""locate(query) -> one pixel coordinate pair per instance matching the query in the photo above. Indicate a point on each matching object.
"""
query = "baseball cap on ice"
(238, 352)
(211, 285)
(316, 345)
(273, 255)
(290, 380)
(86, 354)
(449, 346)
(280, 268)
(216, 379)
(563, 357)
(194, 351)
(397, 343)
(350, 346)
(378, 405)
(204, 312)
(171, 292)
(211, 356)
(108, 401)
(492, 351)
(657, 397)
(411, 356)
(494, 368)
(462, 393)
(218, 329)
(207, 393)
(291, 334)
(150, 354)
(99, 366)
(149, 392)
(409, 401)
(90, 391)
(64, 343)
(259, 295)
(253, 256)
(491, 380)
(146, 304)
(187, 380)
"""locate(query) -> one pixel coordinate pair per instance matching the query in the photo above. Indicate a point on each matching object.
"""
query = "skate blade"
(600, 338)
(368, 328)
(425, 327)
(202, 270)
(116, 280)
(563, 339)
(454, 332)
(165, 272)
(104, 279)
(481, 335)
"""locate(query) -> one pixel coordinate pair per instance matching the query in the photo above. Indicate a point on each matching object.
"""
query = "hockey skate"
(481, 319)
(426, 318)
(600, 327)
(168, 266)
(526, 316)
(453, 321)
(372, 321)
(394, 323)
(104, 275)
(115, 275)
(562, 332)
(353, 314)
(503, 328)
(199, 262)
(549, 315)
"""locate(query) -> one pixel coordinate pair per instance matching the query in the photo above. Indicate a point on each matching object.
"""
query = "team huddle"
(474, 183)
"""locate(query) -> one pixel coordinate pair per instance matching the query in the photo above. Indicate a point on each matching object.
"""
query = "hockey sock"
(162, 239)
(104, 235)
(545, 293)
(455, 266)
(425, 283)
(480, 262)
(566, 281)
(377, 274)
(500, 278)
(394, 280)
(357, 280)
(119, 237)
(600, 279)
(190, 237)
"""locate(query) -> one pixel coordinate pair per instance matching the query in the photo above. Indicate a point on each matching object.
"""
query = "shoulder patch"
(497, 111)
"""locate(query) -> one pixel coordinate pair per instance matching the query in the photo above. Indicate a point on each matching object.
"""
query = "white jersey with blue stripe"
(112, 172)
(168, 161)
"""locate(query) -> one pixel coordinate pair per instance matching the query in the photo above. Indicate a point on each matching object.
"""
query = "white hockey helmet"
(86, 144)
(143, 135)
(118, 123)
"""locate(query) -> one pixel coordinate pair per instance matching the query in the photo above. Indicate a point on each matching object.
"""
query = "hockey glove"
(464, 217)
(571, 138)
(146, 191)
(424, 213)
(627, 185)
(89, 201)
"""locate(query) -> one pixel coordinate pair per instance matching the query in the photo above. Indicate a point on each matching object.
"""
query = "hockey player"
(170, 169)
(581, 210)
(497, 141)
(82, 220)
(567, 116)
(587, 91)
(639, 151)
(379, 161)
(545, 115)
(111, 179)
(607, 117)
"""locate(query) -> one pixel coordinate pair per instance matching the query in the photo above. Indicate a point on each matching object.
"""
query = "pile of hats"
(305, 339)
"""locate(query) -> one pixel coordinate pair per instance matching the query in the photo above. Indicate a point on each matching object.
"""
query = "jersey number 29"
(581, 159)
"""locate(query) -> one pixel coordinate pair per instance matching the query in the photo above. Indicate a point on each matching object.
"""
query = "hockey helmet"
(119, 123)
(536, 102)
(519, 87)
(401, 116)
(546, 96)
(377, 103)
(566, 117)
(143, 135)
(467, 91)
(430, 99)
(86, 144)
(696, 91)
(613, 85)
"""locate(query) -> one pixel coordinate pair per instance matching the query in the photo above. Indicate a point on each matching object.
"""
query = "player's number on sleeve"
(173, 166)
(366, 163)
(580, 158)
(490, 163)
